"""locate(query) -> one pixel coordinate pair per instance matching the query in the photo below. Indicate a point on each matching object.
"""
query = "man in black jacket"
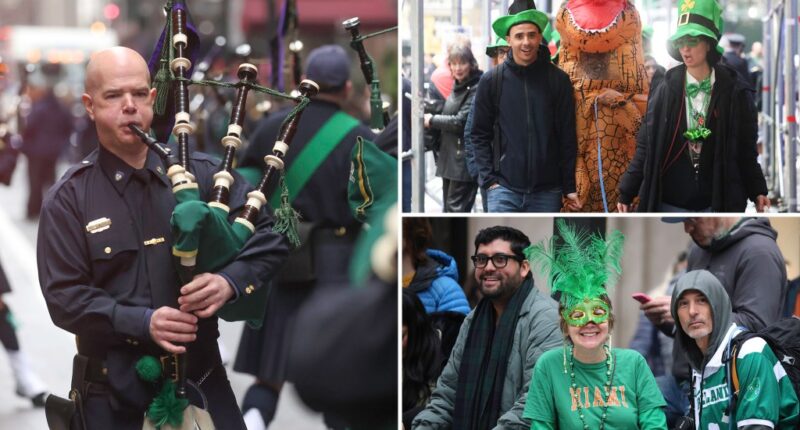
(529, 101)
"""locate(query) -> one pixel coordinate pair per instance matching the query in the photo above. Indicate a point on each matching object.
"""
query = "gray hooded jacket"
(750, 267)
(709, 365)
(706, 283)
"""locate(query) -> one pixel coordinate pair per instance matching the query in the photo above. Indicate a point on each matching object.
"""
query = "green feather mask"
(583, 268)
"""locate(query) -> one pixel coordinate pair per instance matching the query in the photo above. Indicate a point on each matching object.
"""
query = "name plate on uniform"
(154, 241)
(98, 225)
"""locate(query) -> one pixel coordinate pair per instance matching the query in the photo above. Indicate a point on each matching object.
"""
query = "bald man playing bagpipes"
(109, 276)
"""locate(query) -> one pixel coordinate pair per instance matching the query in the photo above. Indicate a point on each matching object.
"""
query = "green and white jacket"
(766, 396)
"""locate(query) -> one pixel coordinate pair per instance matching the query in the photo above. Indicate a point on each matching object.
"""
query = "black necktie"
(156, 255)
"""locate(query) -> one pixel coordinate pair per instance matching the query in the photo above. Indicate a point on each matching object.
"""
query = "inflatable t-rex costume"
(601, 50)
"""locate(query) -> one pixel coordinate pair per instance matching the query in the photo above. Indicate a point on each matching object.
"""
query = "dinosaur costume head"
(595, 15)
(702, 18)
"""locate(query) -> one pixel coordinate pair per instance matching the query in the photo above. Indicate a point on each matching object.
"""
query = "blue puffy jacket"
(436, 284)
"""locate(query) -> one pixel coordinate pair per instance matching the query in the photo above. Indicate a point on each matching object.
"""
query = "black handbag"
(8, 157)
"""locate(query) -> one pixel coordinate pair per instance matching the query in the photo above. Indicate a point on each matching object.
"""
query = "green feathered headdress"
(584, 267)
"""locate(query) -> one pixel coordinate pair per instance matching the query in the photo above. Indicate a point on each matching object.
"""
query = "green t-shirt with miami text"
(634, 401)
(766, 395)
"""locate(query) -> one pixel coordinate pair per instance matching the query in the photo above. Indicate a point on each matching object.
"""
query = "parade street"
(51, 349)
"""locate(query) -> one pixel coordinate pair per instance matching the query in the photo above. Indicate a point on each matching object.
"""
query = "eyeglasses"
(498, 260)
(686, 41)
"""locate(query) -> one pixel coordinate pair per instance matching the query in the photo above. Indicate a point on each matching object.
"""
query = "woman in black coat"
(718, 172)
(458, 187)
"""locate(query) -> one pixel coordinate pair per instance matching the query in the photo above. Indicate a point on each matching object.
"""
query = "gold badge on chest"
(98, 225)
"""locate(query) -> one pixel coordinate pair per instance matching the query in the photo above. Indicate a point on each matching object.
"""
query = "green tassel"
(166, 409)
(286, 218)
(163, 78)
(148, 368)
(161, 84)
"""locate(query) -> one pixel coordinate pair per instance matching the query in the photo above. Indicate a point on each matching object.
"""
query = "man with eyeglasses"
(485, 382)
(696, 148)
(744, 255)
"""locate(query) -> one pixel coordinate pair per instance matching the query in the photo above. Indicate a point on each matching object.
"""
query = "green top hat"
(551, 35)
(520, 12)
(697, 18)
(499, 42)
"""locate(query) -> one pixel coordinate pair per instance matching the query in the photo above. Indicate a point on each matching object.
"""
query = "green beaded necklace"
(610, 377)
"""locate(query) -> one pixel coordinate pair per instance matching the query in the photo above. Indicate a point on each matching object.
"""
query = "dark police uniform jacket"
(323, 199)
(105, 263)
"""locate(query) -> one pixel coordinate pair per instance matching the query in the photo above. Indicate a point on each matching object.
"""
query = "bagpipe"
(204, 238)
(379, 112)
(190, 211)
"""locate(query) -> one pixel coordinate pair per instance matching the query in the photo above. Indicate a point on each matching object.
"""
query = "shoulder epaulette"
(70, 173)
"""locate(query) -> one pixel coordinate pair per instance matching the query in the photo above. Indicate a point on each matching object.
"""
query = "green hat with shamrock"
(697, 18)
(520, 11)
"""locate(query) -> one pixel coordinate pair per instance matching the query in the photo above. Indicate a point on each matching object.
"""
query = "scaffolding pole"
(790, 111)
(487, 26)
(778, 132)
(417, 139)
(766, 103)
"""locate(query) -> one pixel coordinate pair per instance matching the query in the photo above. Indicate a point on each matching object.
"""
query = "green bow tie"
(693, 89)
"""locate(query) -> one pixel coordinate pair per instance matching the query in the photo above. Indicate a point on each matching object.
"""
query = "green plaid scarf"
(484, 363)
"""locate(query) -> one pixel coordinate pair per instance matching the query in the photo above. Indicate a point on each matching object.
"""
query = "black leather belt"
(97, 371)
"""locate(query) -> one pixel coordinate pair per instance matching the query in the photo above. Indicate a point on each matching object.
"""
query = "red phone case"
(641, 297)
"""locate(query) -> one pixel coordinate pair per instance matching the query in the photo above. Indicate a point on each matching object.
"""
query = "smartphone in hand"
(641, 297)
